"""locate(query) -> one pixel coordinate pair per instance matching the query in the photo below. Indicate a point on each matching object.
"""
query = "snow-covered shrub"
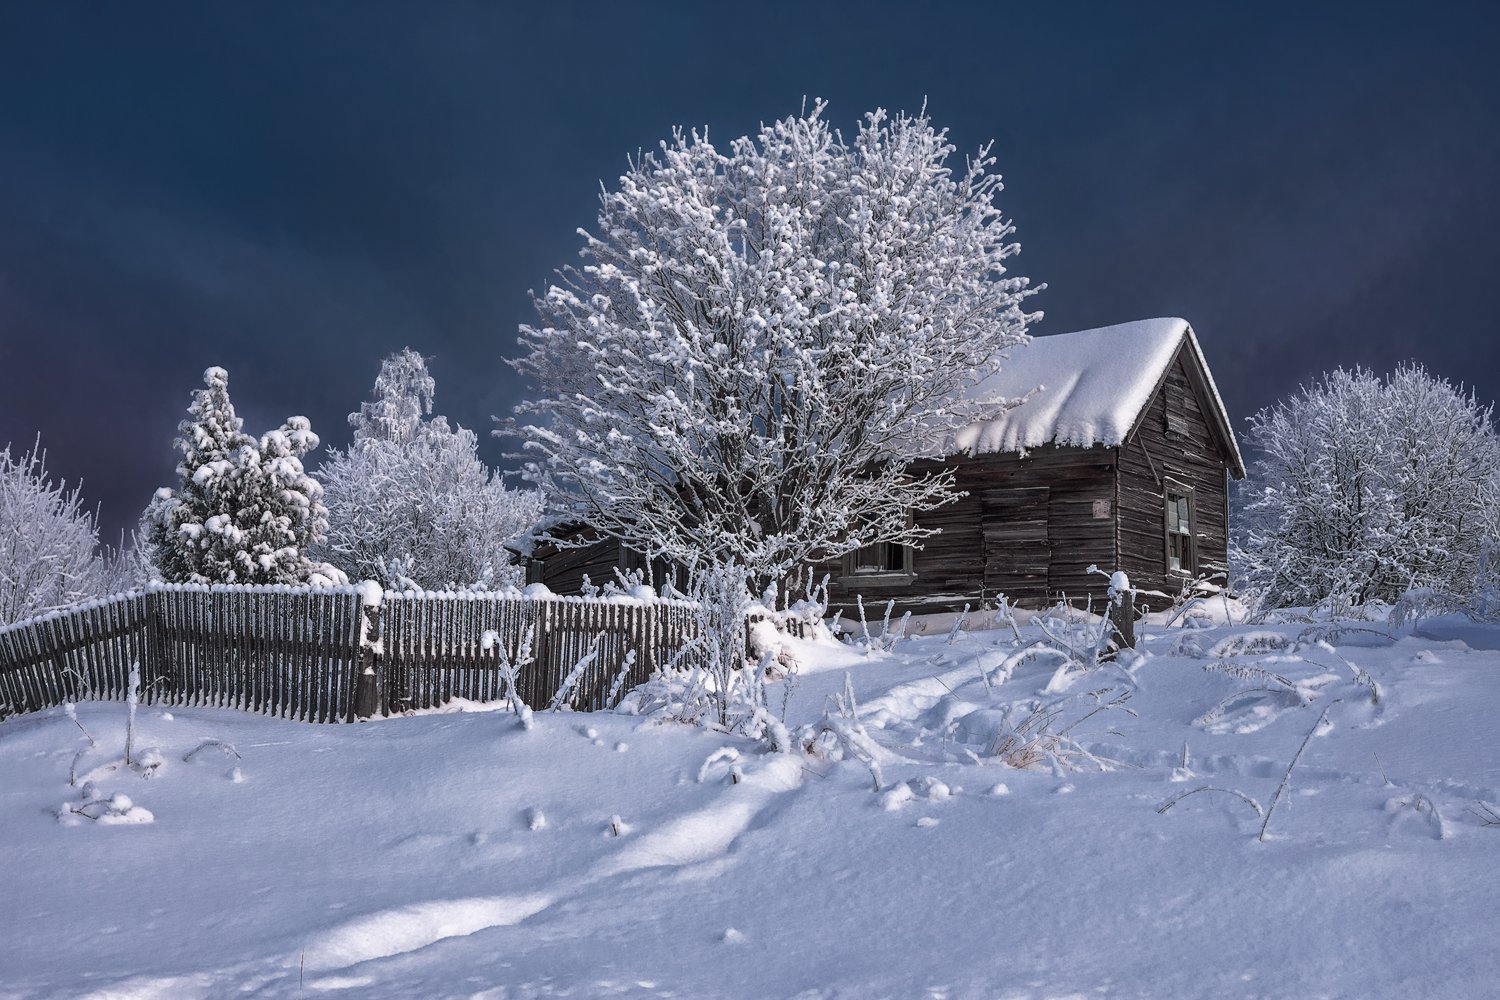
(1368, 487)
(410, 503)
(840, 734)
(118, 809)
(709, 682)
(1032, 735)
(761, 338)
(49, 542)
(245, 511)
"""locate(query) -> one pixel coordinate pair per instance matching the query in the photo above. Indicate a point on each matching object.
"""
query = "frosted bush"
(49, 542)
(1368, 487)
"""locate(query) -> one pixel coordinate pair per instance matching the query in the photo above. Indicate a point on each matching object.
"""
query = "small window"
(1182, 556)
(882, 557)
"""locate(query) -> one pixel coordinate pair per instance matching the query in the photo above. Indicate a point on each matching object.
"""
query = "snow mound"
(407, 928)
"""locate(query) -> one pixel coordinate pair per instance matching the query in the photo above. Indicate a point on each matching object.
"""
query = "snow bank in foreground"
(458, 855)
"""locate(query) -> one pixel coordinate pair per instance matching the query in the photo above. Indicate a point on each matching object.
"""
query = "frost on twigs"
(410, 503)
(839, 734)
(1036, 735)
(760, 338)
(510, 668)
(1485, 814)
(1368, 487)
(708, 681)
(48, 541)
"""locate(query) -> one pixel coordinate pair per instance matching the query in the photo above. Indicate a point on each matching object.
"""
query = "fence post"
(1122, 617)
(367, 693)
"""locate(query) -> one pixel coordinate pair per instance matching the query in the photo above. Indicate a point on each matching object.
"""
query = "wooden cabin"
(1119, 457)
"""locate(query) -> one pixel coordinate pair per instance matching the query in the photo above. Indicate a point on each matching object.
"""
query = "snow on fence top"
(1095, 383)
(56, 613)
(534, 592)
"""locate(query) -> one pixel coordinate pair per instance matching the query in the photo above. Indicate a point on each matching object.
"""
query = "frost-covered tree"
(245, 510)
(49, 542)
(401, 398)
(760, 339)
(1367, 487)
(410, 502)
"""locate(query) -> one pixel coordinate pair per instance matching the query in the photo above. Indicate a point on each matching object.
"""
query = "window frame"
(852, 568)
(1172, 489)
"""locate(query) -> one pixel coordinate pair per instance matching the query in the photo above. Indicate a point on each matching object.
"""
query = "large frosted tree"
(1368, 486)
(410, 502)
(245, 511)
(49, 542)
(760, 339)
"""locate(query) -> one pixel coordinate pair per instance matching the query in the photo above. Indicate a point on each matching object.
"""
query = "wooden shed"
(1121, 459)
(1118, 457)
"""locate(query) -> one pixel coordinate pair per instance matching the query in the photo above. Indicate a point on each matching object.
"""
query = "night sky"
(294, 190)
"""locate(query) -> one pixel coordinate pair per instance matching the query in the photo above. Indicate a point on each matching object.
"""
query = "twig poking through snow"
(132, 699)
(618, 687)
(228, 748)
(958, 625)
(1287, 777)
(72, 713)
(1485, 813)
(569, 686)
(1169, 803)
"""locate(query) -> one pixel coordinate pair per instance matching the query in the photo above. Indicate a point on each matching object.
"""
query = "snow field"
(454, 854)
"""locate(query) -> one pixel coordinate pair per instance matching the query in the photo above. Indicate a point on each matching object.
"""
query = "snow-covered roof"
(1094, 385)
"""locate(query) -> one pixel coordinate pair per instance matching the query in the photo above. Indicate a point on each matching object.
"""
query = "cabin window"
(1182, 555)
(881, 557)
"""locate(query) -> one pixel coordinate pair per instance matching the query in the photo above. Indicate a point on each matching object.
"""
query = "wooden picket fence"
(325, 655)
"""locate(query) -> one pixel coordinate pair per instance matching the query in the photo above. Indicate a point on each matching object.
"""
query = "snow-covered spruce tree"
(49, 543)
(245, 510)
(758, 341)
(1367, 487)
(410, 503)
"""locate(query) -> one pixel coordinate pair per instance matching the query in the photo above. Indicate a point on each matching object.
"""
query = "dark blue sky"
(293, 190)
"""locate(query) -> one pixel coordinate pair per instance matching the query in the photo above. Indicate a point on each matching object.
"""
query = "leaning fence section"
(329, 654)
(83, 652)
(434, 647)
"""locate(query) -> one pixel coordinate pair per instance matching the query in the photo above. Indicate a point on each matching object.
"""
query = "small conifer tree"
(245, 511)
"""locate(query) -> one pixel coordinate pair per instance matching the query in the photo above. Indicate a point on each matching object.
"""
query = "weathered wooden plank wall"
(1172, 442)
(1029, 528)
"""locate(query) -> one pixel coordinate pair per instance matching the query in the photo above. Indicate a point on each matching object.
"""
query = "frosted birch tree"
(245, 511)
(410, 502)
(760, 339)
(1369, 486)
(49, 542)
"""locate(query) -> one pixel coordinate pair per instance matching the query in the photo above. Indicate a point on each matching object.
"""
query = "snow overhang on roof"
(1094, 386)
